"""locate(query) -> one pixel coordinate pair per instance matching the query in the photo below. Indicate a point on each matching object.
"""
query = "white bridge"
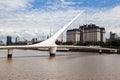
(49, 43)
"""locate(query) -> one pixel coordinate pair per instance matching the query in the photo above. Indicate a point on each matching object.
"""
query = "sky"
(35, 18)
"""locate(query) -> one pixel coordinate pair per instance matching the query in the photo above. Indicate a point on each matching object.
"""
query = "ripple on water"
(37, 65)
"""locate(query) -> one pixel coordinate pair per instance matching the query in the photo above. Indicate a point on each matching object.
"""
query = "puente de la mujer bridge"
(49, 43)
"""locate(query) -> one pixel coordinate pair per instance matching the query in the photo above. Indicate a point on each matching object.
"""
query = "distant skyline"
(32, 18)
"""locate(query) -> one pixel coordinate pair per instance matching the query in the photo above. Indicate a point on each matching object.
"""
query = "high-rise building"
(113, 35)
(87, 33)
(73, 35)
(9, 40)
(92, 32)
(17, 39)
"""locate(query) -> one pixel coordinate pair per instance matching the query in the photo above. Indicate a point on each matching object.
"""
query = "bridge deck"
(59, 46)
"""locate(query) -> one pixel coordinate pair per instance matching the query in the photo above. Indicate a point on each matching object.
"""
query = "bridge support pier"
(100, 51)
(116, 51)
(10, 51)
(52, 51)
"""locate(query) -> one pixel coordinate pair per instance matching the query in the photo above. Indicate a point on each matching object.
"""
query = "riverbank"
(92, 50)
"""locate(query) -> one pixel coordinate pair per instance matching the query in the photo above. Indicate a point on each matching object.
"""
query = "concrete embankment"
(93, 50)
(118, 51)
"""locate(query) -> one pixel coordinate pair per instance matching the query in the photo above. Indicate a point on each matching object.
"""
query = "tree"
(68, 43)
(81, 43)
(113, 43)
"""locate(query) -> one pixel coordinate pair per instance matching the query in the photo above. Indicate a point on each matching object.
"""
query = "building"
(1, 43)
(92, 32)
(9, 40)
(113, 35)
(86, 33)
(17, 39)
(73, 35)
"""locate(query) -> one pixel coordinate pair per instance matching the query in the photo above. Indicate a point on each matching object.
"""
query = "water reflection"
(9, 60)
(51, 58)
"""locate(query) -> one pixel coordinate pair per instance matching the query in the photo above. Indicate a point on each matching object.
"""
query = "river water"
(37, 65)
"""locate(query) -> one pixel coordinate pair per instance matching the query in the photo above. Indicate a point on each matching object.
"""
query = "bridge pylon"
(50, 43)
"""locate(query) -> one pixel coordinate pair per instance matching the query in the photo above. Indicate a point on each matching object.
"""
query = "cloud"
(61, 4)
(35, 22)
(69, 3)
(14, 4)
(12, 17)
(108, 18)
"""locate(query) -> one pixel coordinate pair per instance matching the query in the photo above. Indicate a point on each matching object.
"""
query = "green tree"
(81, 43)
(115, 43)
(68, 43)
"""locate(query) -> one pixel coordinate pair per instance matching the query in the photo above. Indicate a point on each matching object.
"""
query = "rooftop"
(91, 26)
(73, 30)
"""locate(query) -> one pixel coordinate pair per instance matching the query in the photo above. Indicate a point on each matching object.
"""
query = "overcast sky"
(33, 18)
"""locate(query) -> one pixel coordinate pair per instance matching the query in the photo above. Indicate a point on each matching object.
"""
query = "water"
(37, 65)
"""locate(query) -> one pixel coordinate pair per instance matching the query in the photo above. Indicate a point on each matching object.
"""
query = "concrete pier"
(52, 51)
(100, 51)
(10, 51)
